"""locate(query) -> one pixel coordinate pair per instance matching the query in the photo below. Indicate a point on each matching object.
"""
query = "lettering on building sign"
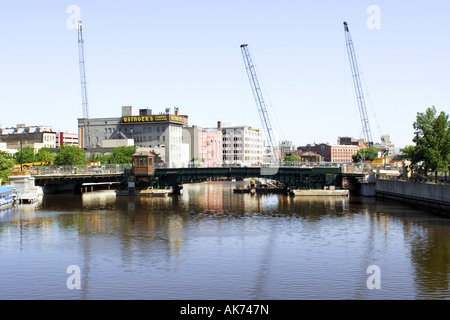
(175, 118)
(144, 119)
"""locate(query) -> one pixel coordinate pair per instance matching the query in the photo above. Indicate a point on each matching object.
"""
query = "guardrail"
(80, 170)
(120, 168)
(424, 180)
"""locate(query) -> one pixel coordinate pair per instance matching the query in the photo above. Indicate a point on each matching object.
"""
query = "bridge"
(82, 179)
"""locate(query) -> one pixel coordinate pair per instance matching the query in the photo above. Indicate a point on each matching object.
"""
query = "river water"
(209, 243)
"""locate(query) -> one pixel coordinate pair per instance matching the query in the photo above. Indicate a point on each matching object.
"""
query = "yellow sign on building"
(151, 119)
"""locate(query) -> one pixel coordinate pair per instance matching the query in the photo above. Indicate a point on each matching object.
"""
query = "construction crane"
(257, 93)
(84, 94)
(358, 87)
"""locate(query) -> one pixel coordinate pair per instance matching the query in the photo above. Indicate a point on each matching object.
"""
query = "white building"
(4, 148)
(66, 138)
(242, 145)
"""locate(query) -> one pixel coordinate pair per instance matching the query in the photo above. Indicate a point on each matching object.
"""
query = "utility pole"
(84, 94)
(358, 87)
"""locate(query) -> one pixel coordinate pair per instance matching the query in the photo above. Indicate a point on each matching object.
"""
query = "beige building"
(242, 145)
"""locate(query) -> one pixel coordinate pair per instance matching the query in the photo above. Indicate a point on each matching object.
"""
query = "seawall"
(431, 196)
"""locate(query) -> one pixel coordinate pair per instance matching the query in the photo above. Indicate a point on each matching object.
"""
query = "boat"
(333, 193)
(6, 197)
(149, 192)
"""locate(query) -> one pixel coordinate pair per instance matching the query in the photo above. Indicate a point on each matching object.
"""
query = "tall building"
(24, 135)
(162, 131)
(205, 145)
(242, 145)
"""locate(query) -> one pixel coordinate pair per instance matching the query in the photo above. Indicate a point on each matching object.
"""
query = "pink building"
(205, 145)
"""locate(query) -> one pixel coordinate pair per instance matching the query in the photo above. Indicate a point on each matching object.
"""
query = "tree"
(366, 154)
(292, 158)
(45, 155)
(6, 164)
(432, 138)
(123, 154)
(70, 155)
(27, 155)
(103, 159)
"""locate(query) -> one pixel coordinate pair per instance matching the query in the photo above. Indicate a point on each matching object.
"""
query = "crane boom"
(84, 94)
(358, 87)
(257, 93)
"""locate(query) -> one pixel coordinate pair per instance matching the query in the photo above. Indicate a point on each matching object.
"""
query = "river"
(209, 243)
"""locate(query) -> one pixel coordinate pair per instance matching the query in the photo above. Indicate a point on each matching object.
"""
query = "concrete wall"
(433, 196)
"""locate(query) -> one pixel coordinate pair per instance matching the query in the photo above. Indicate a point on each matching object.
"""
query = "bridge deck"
(302, 178)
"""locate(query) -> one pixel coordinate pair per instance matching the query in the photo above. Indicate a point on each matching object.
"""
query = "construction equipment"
(358, 87)
(251, 72)
(84, 94)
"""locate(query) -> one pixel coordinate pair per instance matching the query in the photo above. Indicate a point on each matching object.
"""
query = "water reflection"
(211, 243)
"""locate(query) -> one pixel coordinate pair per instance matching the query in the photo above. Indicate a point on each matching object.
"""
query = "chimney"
(219, 125)
(176, 111)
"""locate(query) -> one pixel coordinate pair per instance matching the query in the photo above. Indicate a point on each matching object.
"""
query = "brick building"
(332, 153)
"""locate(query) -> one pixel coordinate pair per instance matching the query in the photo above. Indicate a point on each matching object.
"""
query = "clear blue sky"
(159, 54)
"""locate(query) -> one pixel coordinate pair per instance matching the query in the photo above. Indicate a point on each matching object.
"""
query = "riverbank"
(435, 197)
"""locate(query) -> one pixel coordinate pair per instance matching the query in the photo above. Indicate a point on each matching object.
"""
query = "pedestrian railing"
(80, 170)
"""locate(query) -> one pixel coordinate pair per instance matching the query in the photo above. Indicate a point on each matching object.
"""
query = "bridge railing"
(80, 170)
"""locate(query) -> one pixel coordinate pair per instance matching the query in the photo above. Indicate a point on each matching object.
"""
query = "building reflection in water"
(140, 233)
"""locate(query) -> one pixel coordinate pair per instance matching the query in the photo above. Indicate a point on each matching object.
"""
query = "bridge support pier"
(177, 189)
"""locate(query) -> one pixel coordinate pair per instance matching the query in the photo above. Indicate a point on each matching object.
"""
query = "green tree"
(292, 158)
(45, 155)
(366, 154)
(431, 152)
(103, 159)
(6, 164)
(70, 155)
(27, 155)
(122, 155)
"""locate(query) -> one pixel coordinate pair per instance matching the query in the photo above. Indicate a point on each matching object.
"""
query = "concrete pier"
(30, 193)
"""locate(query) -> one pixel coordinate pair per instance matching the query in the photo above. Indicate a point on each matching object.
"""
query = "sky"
(186, 54)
